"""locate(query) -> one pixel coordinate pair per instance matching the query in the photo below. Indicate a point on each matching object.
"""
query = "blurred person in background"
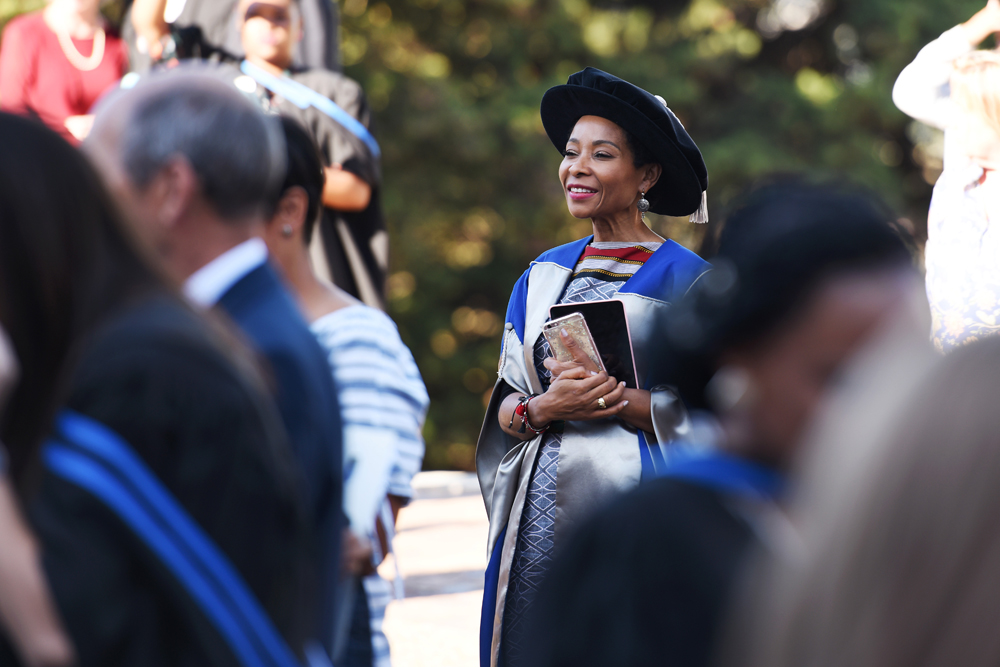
(382, 396)
(28, 617)
(804, 277)
(160, 30)
(198, 169)
(952, 86)
(55, 64)
(559, 439)
(899, 567)
(163, 455)
(351, 243)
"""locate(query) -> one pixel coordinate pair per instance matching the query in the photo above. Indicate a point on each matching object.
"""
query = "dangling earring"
(286, 230)
(643, 205)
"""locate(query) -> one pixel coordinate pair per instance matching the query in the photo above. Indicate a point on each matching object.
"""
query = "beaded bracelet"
(522, 411)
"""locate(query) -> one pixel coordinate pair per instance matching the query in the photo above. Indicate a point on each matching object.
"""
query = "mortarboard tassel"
(701, 215)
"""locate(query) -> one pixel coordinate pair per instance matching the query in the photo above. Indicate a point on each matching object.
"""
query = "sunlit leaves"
(471, 191)
(818, 88)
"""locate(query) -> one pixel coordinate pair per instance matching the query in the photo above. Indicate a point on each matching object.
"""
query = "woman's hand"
(630, 405)
(580, 358)
(356, 554)
(576, 388)
(574, 395)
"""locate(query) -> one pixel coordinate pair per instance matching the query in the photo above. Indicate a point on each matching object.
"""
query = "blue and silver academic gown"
(597, 458)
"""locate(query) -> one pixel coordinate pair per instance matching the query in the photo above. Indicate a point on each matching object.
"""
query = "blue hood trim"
(566, 255)
(518, 305)
(666, 276)
(727, 474)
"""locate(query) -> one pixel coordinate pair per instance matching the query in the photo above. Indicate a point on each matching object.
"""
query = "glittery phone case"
(576, 326)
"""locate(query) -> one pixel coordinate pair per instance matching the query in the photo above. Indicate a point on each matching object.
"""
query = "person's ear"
(173, 191)
(292, 210)
(651, 174)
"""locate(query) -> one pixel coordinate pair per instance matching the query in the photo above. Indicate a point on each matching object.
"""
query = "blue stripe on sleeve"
(85, 473)
(105, 445)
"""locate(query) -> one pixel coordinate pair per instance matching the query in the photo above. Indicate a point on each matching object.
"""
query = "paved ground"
(441, 543)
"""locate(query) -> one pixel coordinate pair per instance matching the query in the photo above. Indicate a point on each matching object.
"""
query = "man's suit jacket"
(157, 376)
(306, 397)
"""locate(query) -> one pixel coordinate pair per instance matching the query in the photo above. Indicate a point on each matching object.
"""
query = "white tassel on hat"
(701, 215)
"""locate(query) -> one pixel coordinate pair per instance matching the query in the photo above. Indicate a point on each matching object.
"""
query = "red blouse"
(37, 79)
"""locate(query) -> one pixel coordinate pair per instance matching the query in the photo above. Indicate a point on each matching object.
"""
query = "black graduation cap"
(681, 188)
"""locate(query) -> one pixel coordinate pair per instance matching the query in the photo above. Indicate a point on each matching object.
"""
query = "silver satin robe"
(597, 458)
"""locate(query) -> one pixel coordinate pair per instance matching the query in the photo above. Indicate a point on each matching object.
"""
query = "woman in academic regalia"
(561, 438)
(806, 278)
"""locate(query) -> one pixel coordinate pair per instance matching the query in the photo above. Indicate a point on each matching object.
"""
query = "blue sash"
(89, 455)
(726, 473)
(304, 97)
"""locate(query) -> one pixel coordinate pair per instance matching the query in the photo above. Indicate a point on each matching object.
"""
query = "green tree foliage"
(471, 188)
(11, 8)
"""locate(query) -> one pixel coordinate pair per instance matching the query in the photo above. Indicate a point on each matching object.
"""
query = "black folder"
(609, 327)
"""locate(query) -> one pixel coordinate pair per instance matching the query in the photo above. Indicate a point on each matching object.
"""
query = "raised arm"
(922, 91)
(148, 21)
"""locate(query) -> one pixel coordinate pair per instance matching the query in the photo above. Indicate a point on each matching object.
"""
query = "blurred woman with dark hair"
(159, 441)
(27, 612)
(898, 566)
(804, 276)
(381, 394)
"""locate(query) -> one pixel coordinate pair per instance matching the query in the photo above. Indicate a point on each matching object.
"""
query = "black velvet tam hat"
(681, 188)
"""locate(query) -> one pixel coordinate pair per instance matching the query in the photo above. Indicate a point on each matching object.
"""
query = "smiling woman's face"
(597, 173)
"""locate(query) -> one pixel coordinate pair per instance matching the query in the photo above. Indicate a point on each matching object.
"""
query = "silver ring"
(601, 404)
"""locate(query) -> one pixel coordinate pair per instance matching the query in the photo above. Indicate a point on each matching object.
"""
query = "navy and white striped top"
(379, 385)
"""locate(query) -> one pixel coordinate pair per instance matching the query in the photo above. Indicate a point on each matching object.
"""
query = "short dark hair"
(641, 156)
(304, 169)
(66, 263)
(233, 147)
(775, 251)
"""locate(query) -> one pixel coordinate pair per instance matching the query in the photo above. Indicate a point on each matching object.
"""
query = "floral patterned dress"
(963, 259)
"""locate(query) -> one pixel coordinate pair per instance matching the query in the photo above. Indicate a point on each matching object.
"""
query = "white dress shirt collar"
(206, 286)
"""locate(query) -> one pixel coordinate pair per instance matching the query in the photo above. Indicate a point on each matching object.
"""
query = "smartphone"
(576, 326)
(609, 328)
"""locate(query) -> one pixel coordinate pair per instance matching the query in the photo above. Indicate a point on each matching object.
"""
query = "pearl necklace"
(75, 58)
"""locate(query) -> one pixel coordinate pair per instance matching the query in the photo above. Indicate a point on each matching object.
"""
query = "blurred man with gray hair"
(198, 168)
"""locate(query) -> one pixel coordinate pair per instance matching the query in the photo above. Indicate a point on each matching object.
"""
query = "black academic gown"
(353, 241)
(157, 377)
(219, 26)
